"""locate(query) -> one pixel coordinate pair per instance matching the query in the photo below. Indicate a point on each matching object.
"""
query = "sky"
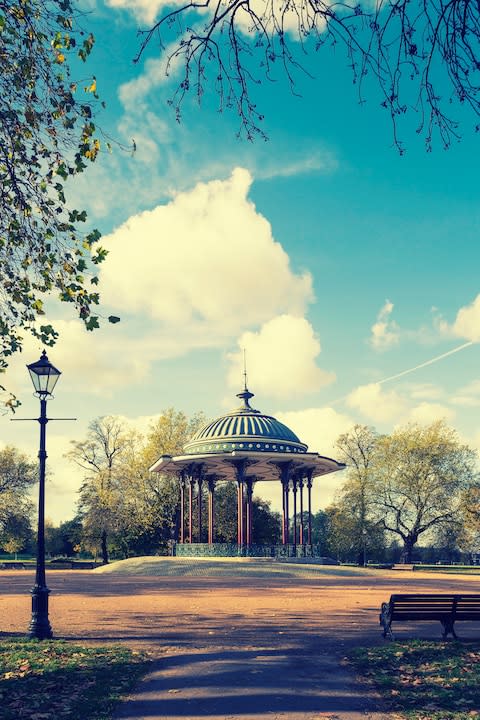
(348, 272)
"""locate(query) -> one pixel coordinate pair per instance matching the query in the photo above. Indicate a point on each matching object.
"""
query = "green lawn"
(423, 680)
(55, 679)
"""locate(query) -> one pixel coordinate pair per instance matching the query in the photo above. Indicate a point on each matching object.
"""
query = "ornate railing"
(233, 550)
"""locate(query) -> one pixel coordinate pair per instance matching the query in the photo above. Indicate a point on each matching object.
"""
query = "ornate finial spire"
(246, 394)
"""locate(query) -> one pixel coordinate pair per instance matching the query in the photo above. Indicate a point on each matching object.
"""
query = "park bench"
(447, 609)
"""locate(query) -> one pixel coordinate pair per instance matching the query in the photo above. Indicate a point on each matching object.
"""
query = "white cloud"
(201, 262)
(319, 428)
(145, 10)
(377, 404)
(426, 413)
(281, 359)
(384, 331)
(468, 395)
(394, 407)
(467, 322)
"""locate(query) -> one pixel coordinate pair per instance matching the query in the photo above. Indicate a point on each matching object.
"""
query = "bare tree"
(423, 55)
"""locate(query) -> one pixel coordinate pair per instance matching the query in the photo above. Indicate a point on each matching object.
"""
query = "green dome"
(244, 429)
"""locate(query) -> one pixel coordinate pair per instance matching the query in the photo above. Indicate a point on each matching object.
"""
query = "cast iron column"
(182, 507)
(190, 509)
(39, 625)
(300, 485)
(294, 488)
(211, 490)
(199, 501)
(249, 483)
(309, 489)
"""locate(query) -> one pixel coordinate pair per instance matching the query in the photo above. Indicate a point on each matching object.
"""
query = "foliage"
(124, 508)
(357, 449)
(419, 476)
(423, 679)
(17, 474)
(47, 135)
(57, 679)
(422, 56)
(64, 540)
(17, 533)
(99, 456)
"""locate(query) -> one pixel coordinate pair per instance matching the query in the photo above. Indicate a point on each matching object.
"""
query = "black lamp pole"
(44, 377)
(39, 624)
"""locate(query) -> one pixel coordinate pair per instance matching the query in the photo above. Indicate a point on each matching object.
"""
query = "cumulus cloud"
(319, 428)
(145, 10)
(190, 274)
(468, 395)
(426, 413)
(281, 358)
(396, 407)
(384, 332)
(376, 403)
(467, 322)
(200, 262)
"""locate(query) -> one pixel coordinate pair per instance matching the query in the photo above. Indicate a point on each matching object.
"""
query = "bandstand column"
(249, 522)
(182, 508)
(190, 509)
(240, 468)
(294, 488)
(211, 490)
(309, 489)
(300, 487)
(199, 505)
(285, 480)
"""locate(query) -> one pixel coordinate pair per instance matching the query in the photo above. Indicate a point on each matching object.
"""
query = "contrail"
(424, 364)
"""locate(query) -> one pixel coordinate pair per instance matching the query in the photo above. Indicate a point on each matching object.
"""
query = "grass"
(57, 680)
(424, 680)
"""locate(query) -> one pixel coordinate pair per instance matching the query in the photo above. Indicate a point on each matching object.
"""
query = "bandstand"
(245, 446)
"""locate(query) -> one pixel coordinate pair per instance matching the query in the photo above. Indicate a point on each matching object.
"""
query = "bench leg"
(448, 629)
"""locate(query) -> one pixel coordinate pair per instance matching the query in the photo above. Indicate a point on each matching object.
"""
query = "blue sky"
(336, 262)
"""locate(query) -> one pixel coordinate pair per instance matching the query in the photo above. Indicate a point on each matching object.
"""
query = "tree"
(17, 475)
(100, 495)
(420, 475)
(357, 449)
(422, 56)
(47, 135)
(17, 533)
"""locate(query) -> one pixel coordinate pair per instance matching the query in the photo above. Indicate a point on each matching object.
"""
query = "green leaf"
(113, 319)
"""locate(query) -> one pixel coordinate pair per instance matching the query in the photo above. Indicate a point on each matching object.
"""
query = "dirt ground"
(237, 647)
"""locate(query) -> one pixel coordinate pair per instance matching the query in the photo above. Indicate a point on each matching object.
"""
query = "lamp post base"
(39, 627)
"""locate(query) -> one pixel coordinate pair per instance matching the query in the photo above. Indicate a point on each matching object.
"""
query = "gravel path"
(233, 641)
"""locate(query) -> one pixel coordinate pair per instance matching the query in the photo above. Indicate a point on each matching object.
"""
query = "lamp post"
(44, 377)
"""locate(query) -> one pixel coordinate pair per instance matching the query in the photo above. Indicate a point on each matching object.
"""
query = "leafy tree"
(17, 475)
(47, 135)
(64, 540)
(357, 449)
(422, 56)
(17, 533)
(99, 455)
(267, 528)
(421, 473)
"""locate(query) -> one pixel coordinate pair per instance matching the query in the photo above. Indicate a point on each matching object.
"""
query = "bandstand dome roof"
(244, 429)
(245, 435)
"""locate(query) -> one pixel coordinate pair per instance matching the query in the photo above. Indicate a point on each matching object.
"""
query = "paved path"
(244, 646)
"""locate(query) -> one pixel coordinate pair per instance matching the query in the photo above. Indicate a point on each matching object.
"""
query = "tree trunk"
(104, 548)
(408, 546)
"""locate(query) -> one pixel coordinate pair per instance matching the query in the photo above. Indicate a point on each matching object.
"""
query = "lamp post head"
(44, 376)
